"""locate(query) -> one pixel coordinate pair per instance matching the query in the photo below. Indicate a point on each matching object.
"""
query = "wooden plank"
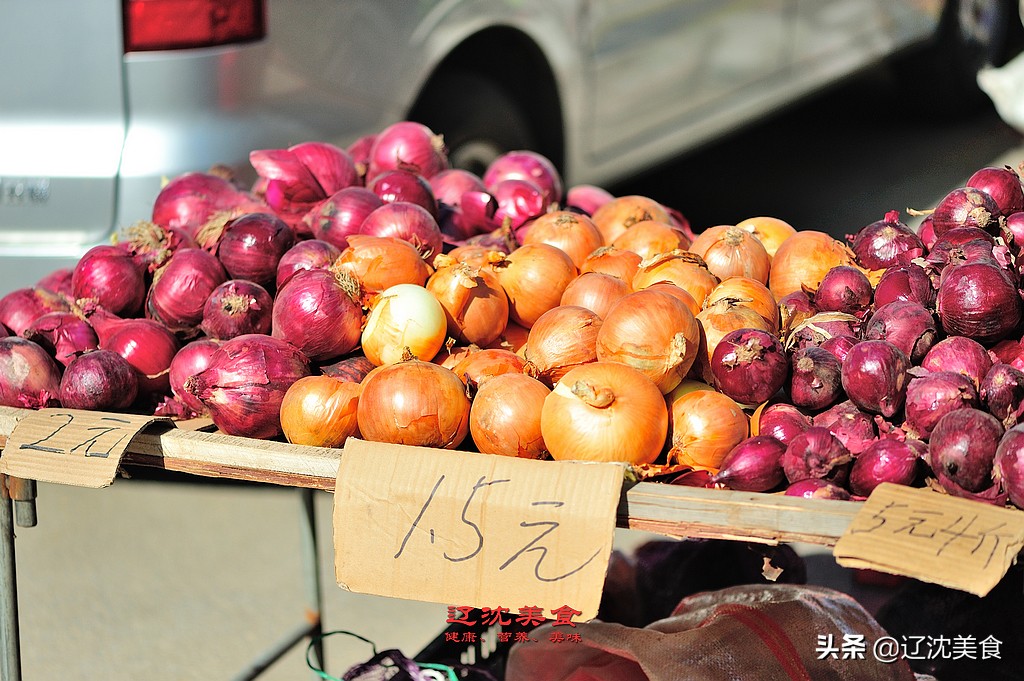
(670, 510)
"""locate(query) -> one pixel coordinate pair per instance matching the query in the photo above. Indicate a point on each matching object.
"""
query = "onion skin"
(180, 288)
(64, 335)
(816, 488)
(101, 380)
(563, 338)
(1002, 393)
(905, 324)
(962, 448)
(875, 377)
(192, 358)
(317, 312)
(804, 259)
(815, 381)
(932, 396)
(29, 376)
(352, 369)
(794, 309)
(839, 346)
(749, 365)
(237, 307)
(480, 366)
(414, 403)
(320, 411)
(475, 305)
(815, 453)
(246, 381)
(887, 460)
(961, 354)
(754, 465)
(905, 282)
(505, 417)
(605, 411)
(886, 243)
(976, 300)
(855, 428)
(1008, 465)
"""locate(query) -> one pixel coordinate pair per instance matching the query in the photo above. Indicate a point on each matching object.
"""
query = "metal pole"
(311, 569)
(9, 637)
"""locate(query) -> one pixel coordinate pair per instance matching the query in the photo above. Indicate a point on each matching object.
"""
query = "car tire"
(478, 119)
(971, 34)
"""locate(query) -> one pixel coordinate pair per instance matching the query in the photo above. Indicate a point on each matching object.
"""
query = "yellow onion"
(618, 262)
(572, 233)
(651, 237)
(505, 417)
(478, 367)
(605, 411)
(749, 293)
(616, 216)
(414, 403)
(405, 319)
(564, 337)
(475, 305)
(472, 255)
(380, 262)
(534, 277)
(769, 231)
(686, 270)
(513, 338)
(732, 252)
(804, 259)
(320, 411)
(705, 426)
(729, 314)
(652, 332)
(676, 292)
(595, 291)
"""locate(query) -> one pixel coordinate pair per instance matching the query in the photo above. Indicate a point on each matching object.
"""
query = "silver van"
(102, 100)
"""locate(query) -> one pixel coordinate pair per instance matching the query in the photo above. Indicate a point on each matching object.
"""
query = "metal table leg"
(9, 637)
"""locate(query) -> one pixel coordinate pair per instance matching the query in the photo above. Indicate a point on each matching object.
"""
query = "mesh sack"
(763, 632)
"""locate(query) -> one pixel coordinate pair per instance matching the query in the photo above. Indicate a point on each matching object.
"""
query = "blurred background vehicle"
(107, 99)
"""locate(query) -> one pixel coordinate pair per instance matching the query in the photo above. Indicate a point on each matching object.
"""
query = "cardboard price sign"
(473, 529)
(71, 446)
(937, 538)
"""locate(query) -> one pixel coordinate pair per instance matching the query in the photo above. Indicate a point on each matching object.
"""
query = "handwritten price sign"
(959, 543)
(71, 446)
(458, 527)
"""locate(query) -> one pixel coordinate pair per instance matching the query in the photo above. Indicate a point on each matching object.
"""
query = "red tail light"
(181, 24)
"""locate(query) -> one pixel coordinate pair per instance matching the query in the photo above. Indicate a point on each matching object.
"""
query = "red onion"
(1008, 351)
(402, 185)
(473, 216)
(519, 201)
(815, 453)
(110, 276)
(815, 380)
(978, 301)
(1014, 228)
(339, 216)
(839, 346)
(875, 376)
(151, 244)
(965, 207)
(959, 353)
(409, 222)
(180, 289)
(65, 335)
(250, 246)
(245, 384)
(844, 289)
(754, 465)
(149, 348)
(101, 380)
(587, 197)
(854, 427)
(905, 324)
(886, 242)
(1003, 185)
(782, 421)
(189, 201)
(886, 460)
(962, 448)
(818, 328)
(526, 165)
(407, 145)
(794, 309)
(332, 168)
(698, 477)
(360, 153)
(926, 230)
(749, 365)
(932, 396)
(1008, 465)
(1002, 393)
(237, 307)
(449, 185)
(310, 254)
(353, 369)
(59, 282)
(20, 308)
(905, 282)
(318, 312)
(816, 488)
(29, 376)
(191, 359)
